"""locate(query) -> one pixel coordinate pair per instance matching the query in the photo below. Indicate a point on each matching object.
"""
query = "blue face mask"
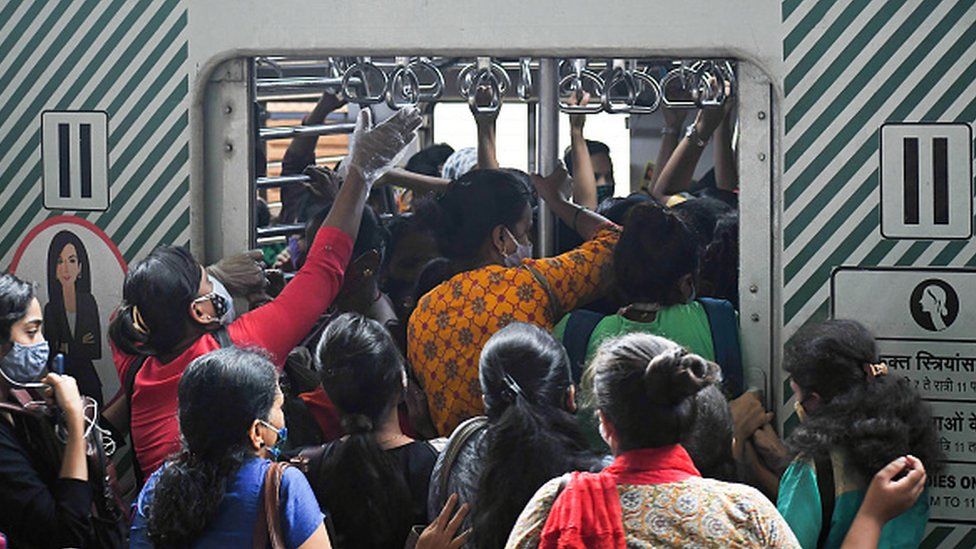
(282, 433)
(26, 363)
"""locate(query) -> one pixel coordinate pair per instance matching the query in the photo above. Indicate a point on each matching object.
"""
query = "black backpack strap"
(724, 326)
(825, 485)
(576, 338)
(129, 384)
(223, 337)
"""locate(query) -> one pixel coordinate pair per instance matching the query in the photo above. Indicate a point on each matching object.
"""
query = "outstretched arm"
(584, 180)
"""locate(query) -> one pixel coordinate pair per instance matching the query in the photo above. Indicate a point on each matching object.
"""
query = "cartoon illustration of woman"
(933, 302)
(71, 320)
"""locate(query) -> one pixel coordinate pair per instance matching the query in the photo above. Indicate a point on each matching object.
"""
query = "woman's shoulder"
(745, 499)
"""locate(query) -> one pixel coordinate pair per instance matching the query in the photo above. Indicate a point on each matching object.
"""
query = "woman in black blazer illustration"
(71, 321)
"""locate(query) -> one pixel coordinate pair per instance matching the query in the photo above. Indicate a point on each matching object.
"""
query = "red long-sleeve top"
(276, 327)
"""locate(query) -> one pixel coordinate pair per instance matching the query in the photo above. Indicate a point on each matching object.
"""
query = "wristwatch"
(696, 139)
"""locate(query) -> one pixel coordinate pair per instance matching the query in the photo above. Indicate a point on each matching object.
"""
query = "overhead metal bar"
(280, 230)
(282, 181)
(285, 132)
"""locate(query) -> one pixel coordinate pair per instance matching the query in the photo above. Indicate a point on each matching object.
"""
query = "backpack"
(722, 321)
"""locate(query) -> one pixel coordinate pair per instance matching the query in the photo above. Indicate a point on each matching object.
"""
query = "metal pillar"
(548, 145)
(227, 201)
(532, 114)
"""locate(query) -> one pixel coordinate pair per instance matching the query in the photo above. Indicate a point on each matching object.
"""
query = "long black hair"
(220, 395)
(647, 387)
(360, 484)
(15, 299)
(463, 217)
(531, 437)
(161, 288)
(655, 250)
(874, 419)
(83, 283)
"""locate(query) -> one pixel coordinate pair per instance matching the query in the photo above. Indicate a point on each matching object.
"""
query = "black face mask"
(603, 192)
(220, 304)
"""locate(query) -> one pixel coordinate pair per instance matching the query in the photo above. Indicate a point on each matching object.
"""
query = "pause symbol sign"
(926, 181)
(74, 152)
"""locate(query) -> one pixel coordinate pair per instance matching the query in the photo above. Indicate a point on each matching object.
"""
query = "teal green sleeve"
(560, 328)
(799, 502)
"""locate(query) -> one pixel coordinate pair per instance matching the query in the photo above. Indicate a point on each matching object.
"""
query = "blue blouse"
(234, 524)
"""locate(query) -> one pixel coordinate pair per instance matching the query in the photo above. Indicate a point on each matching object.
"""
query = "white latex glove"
(374, 151)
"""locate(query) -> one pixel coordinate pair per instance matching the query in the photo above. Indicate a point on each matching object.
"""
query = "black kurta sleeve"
(34, 512)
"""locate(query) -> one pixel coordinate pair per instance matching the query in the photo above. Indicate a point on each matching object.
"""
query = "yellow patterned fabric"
(453, 321)
(695, 512)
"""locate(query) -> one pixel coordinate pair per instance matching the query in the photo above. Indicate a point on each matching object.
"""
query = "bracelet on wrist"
(576, 216)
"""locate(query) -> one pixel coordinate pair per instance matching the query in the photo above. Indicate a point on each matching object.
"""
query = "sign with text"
(925, 324)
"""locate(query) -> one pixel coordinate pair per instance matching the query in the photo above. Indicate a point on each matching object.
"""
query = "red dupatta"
(587, 514)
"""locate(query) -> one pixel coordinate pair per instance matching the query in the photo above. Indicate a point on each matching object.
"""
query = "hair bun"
(356, 424)
(675, 375)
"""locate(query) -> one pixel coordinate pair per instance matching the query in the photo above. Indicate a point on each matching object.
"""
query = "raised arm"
(677, 172)
(726, 171)
(584, 180)
(486, 139)
(414, 181)
(301, 150)
(585, 222)
(282, 323)
(670, 135)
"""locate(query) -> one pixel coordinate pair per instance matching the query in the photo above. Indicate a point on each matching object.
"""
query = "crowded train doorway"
(633, 107)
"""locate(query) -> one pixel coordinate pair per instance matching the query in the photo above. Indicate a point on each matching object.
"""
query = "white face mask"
(219, 289)
(522, 251)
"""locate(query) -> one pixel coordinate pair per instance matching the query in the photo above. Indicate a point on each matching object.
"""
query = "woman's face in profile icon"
(68, 267)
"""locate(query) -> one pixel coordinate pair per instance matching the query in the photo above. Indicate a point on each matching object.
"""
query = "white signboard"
(926, 181)
(74, 151)
(925, 323)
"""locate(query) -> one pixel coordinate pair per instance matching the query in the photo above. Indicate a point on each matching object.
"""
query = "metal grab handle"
(468, 75)
(361, 69)
(403, 89)
(685, 76)
(525, 79)
(709, 86)
(575, 83)
(485, 77)
(428, 92)
(645, 81)
(617, 76)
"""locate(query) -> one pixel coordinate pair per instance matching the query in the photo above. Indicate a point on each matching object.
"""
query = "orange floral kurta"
(453, 321)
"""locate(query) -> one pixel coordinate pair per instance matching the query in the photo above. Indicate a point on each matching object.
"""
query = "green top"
(685, 324)
(799, 503)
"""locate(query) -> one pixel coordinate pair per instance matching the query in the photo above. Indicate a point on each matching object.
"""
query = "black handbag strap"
(825, 485)
(454, 446)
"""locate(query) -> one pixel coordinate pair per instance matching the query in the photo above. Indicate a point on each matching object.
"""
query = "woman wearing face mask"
(209, 494)
(171, 311)
(488, 279)
(856, 418)
(46, 497)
